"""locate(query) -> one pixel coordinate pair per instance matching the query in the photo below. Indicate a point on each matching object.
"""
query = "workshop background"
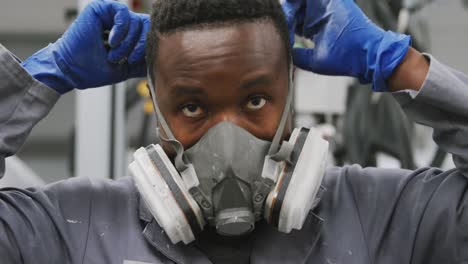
(70, 142)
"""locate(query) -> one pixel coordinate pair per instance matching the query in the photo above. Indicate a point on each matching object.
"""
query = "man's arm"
(416, 216)
(50, 225)
(411, 73)
(404, 216)
(423, 214)
(30, 89)
(441, 103)
(23, 102)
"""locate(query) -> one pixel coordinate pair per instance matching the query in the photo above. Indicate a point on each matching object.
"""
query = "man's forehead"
(246, 41)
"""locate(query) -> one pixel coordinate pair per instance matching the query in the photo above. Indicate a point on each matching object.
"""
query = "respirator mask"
(230, 179)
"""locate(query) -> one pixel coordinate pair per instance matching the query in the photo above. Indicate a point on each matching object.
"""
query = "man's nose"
(227, 116)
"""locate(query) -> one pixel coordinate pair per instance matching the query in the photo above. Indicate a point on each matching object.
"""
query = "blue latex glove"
(346, 41)
(79, 58)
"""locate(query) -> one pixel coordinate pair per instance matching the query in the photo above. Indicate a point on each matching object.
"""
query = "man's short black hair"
(169, 16)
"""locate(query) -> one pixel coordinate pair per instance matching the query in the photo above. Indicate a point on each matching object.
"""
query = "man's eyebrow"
(262, 80)
(180, 90)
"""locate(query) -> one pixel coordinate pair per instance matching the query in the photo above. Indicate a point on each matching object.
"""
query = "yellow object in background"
(143, 91)
(148, 107)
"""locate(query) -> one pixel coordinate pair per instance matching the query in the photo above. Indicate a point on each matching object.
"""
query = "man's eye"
(192, 110)
(256, 103)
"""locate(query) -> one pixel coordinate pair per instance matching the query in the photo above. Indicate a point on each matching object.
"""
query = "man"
(214, 63)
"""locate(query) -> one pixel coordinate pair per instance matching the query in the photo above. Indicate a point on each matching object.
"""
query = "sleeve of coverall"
(23, 102)
(25, 215)
(420, 216)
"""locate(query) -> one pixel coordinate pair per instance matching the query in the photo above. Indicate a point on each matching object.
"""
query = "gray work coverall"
(387, 216)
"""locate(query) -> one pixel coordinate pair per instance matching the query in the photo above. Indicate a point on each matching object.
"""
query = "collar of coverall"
(262, 251)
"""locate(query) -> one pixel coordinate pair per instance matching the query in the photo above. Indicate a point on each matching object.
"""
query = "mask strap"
(275, 155)
(179, 160)
(275, 152)
(187, 171)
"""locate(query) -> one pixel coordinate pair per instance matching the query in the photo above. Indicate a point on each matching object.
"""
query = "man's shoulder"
(356, 175)
(85, 185)
(85, 193)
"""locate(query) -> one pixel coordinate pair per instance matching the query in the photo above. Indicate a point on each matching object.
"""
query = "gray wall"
(36, 17)
(448, 23)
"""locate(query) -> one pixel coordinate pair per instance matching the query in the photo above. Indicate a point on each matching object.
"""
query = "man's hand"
(346, 41)
(80, 60)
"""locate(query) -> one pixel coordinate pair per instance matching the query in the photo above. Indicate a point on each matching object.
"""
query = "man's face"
(235, 73)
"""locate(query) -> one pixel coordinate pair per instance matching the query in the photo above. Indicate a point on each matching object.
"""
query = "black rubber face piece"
(176, 191)
(298, 146)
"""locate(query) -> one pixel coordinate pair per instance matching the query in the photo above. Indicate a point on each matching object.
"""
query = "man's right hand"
(79, 58)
